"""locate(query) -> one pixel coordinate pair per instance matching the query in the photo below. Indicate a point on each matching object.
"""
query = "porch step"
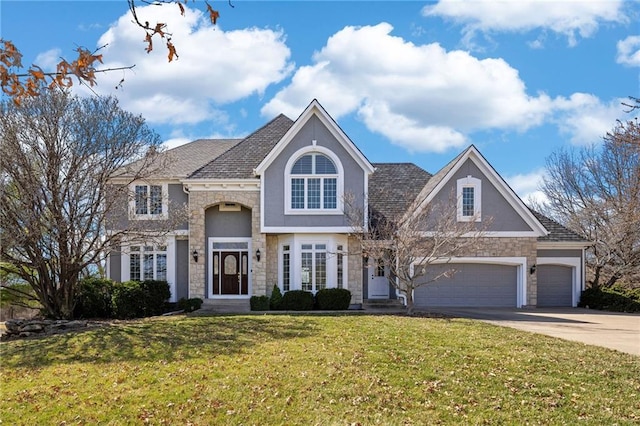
(225, 306)
(383, 304)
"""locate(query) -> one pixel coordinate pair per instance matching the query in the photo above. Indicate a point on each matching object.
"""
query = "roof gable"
(314, 109)
(446, 174)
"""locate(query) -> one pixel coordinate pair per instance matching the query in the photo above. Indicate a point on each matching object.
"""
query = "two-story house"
(269, 210)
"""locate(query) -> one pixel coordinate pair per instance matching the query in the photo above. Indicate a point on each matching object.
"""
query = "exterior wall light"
(195, 256)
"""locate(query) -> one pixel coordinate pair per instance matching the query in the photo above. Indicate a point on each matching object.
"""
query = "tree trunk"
(410, 304)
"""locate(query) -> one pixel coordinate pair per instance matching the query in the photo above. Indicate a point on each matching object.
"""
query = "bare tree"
(410, 243)
(596, 191)
(58, 155)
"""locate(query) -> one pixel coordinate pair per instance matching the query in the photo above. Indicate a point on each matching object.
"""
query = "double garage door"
(472, 285)
(489, 285)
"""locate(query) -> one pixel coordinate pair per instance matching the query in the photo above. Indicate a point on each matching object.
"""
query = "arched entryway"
(228, 242)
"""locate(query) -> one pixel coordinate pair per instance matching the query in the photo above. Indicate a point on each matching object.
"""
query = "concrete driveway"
(608, 329)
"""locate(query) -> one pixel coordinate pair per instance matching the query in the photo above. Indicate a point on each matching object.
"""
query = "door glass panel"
(244, 264)
(380, 268)
(231, 246)
(230, 265)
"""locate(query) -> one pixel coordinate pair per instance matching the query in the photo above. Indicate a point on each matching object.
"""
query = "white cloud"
(49, 60)
(585, 118)
(527, 186)
(214, 66)
(421, 97)
(629, 51)
(176, 142)
(571, 18)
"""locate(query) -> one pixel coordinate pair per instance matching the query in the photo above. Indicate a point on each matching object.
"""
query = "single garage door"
(473, 285)
(555, 283)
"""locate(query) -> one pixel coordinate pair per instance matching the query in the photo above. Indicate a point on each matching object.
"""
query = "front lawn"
(314, 370)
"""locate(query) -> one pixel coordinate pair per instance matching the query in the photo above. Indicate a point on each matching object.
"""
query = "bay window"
(148, 263)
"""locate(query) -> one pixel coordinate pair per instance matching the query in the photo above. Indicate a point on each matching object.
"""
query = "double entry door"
(229, 268)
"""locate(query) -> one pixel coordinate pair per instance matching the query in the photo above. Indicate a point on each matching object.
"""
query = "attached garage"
(472, 285)
(555, 285)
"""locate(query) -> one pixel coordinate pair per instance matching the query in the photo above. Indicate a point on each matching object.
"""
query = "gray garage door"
(554, 285)
(473, 285)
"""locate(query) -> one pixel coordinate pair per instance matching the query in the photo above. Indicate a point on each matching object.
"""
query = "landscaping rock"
(29, 328)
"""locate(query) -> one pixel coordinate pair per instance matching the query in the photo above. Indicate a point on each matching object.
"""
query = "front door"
(378, 286)
(229, 268)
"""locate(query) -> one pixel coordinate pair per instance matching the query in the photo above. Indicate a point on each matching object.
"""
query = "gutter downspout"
(399, 294)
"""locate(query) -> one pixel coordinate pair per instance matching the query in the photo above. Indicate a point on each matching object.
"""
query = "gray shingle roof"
(393, 187)
(557, 232)
(181, 161)
(186, 159)
(240, 161)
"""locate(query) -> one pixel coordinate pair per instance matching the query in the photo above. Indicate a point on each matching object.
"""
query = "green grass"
(321, 370)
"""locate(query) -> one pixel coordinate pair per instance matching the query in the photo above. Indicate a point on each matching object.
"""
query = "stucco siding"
(115, 264)
(227, 223)
(560, 253)
(496, 210)
(182, 269)
(274, 180)
(118, 216)
(178, 200)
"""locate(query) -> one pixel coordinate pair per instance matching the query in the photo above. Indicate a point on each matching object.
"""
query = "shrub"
(93, 299)
(616, 299)
(259, 303)
(135, 299)
(127, 300)
(155, 295)
(190, 305)
(333, 299)
(297, 300)
(276, 299)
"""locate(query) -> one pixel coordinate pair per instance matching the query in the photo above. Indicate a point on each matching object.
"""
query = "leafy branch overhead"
(18, 82)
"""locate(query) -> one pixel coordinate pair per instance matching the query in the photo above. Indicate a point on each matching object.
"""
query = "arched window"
(313, 183)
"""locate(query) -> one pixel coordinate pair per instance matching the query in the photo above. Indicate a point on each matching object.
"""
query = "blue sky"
(407, 81)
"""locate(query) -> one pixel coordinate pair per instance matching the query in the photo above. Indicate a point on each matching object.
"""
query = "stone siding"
(354, 270)
(199, 201)
(272, 263)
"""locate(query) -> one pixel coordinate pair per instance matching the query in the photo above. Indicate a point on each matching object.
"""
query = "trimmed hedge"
(333, 299)
(259, 303)
(135, 299)
(93, 298)
(297, 300)
(615, 299)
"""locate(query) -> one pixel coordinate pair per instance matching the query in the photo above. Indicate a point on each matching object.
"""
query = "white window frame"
(148, 216)
(295, 243)
(339, 176)
(169, 243)
(476, 184)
